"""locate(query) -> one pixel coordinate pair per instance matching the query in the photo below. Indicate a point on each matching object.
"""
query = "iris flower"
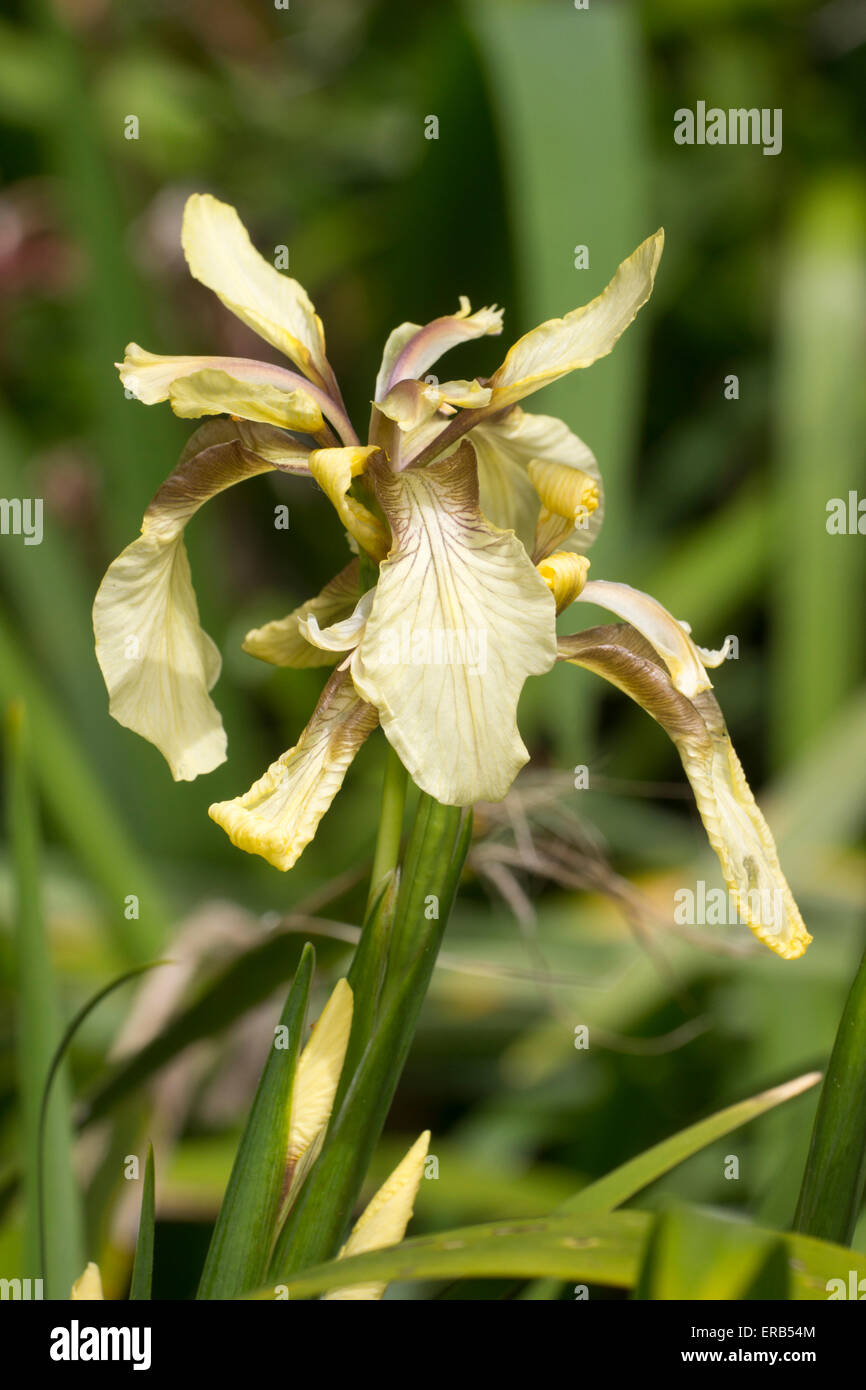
(468, 519)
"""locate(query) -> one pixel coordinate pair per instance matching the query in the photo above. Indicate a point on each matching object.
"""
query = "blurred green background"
(555, 130)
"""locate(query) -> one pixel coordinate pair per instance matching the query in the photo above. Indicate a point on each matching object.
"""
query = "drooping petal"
(279, 815)
(735, 827)
(213, 392)
(583, 336)
(157, 663)
(411, 350)
(284, 641)
(333, 470)
(220, 254)
(668, 637)
(88, 1286)
(315, 1085)
(461, 617)
(505, 448)
(385, 1219)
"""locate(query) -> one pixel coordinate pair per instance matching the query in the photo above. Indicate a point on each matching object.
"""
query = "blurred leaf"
(142, 1269)
(245, 982)
(54, 1244)
(833, 1182)
(820, 420)
(80, 807)
(245, 1228)
(695, 1254)
(617, 1187)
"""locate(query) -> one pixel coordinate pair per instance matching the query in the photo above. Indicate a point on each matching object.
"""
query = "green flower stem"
(395, 960)
(835, 1173)
(390, 825)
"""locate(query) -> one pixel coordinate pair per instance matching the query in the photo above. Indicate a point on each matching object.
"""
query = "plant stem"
(434, 857)
(835, 1173)
(390, 824)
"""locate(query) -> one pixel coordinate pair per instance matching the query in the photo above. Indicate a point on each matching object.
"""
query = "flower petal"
(385, 1219)
(333, 470)
(284, 641)
(220, 254)
(735, 827)
(583, 336)
(411, 403)
(412, 350)
(157, 662)
(279, 815)
(505, 448)
(213, 392)
(669, 638)
(342, 636)
(461, 617)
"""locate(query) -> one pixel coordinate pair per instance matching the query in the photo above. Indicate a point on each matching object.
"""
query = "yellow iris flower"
(478, 515)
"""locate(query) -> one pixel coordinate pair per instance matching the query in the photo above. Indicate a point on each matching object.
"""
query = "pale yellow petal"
(411, 403)
(342, 636)
(734, 824)
(284, 642)
(568, 496)
(461, 617)
(333, 470)
(157, 663)
(583, 336)
(220, 254)
(385, 1219)
(413, 349)
(213, 392)
(505, 449)
(88, 1286)
(669, 638)
(279, 815)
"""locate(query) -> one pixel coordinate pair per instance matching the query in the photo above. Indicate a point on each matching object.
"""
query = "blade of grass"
(835, 1173)
(51, 1196)
(51, 1075)
(142, 1269)
(631, 1177)
(240, 1246)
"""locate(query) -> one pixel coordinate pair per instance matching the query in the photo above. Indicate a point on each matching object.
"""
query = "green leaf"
(617, 1187)
(52, 1202)
(698, 1254)
(142, 1269)
(601, 1250)
(695, 1254)
(238, 1255)
(835, 1175)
